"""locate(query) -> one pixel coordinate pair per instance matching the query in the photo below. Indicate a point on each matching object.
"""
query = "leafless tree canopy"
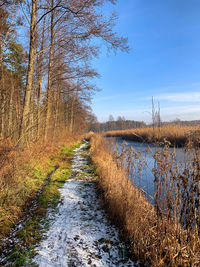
(46, 80)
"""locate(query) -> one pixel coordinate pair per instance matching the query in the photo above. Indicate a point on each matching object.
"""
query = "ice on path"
(80, 234)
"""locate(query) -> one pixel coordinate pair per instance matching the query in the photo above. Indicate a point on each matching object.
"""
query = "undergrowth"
(37, 223)
(38, 174)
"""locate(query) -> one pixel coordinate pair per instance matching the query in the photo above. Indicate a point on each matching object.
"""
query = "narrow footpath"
(80, 234)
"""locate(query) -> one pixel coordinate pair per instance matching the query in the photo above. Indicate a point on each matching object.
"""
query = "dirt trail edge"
(81, 234)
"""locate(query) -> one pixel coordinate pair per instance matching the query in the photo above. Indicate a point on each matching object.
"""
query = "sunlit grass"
(157, 234)
(175, 135)
(23, 173)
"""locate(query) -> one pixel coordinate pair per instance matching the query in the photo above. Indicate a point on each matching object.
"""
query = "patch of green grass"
(76, 146)
(31, 232)
(67, 151)
(37, 173)
(61, 174)
(88, 168)
(84, 174)
(84, 153)
(21, 256)
(35, 227)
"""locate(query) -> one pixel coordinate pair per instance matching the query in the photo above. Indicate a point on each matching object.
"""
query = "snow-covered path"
(80, 234)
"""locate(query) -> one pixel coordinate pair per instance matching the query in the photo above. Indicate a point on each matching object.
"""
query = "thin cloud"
(178, 93)
(180, 97)
(183, 112)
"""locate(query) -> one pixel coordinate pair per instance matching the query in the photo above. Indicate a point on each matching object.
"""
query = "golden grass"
(176, 135)
(155, 240)
(23, 173)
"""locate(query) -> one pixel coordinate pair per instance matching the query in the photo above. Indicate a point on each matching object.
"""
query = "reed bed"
(175, 135)
(164, 234)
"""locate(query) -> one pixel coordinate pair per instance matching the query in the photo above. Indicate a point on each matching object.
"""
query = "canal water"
(145, 163)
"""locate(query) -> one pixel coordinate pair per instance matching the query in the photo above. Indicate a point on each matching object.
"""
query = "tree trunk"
(28, 90)
(10, 115)
(38, 104)
(72, 116)
(3, 100)
(57, 108)
(49, 88)
(40, 65)
(3, 116)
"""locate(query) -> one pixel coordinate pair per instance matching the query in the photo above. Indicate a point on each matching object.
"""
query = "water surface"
(146, 162)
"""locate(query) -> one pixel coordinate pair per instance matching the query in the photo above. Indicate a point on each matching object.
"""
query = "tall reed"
(157, 233)
(175, 135)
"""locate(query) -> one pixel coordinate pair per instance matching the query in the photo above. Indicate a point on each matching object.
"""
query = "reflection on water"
(145, 163)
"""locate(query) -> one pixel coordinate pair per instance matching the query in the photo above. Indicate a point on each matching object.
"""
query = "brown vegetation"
(157, 238)
(22, 174)
(175, 135)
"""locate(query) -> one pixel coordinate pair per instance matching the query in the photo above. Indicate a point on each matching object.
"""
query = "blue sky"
(164, 62)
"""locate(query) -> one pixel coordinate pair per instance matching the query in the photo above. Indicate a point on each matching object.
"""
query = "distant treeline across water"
(116, 125)
(123, 124)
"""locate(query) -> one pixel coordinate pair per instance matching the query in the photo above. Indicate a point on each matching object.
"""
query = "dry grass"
(176, 135)
(156, 240)
(22, 174)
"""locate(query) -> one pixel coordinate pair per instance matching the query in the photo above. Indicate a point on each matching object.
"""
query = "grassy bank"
(24, 173)
(175, 135)
(156, 239)
(36, 223)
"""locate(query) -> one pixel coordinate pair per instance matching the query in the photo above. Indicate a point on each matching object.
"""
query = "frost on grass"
(80, 234)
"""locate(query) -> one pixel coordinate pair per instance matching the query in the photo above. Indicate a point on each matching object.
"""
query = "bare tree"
(57, 90)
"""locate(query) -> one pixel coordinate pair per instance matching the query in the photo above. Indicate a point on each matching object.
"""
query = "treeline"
(182, 123)
(123, 124)
(116, 125)
(47, 88)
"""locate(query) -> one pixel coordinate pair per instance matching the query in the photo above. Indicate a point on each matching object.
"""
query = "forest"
(46, 49)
